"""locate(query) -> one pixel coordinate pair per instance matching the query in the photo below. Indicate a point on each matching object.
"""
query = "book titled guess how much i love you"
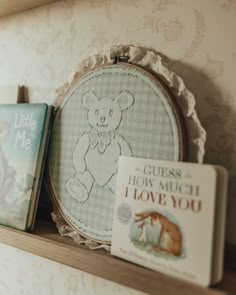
(24, 132)
(171, 217)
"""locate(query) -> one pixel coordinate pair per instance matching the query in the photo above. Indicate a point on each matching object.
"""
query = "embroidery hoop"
(151, 62)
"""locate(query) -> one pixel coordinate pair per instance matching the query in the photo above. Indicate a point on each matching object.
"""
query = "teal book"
(24, 135)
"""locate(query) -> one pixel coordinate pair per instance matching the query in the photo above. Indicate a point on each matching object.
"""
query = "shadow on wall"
(218, 117)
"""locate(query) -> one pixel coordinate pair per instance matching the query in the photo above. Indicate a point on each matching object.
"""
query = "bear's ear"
(89, 99)
(125, 100)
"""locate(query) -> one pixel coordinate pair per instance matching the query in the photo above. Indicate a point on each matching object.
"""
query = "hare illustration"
(96, 153)
(143, 235)
(169, 233)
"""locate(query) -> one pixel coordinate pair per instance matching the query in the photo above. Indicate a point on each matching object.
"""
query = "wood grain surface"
(47, 243)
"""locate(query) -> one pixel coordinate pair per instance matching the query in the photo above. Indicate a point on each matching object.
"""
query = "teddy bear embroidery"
(96, 153)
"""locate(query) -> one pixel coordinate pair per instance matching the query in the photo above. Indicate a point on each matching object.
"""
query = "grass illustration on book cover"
(22, 141)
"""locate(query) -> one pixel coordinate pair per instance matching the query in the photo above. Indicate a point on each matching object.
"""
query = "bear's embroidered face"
(105, 114)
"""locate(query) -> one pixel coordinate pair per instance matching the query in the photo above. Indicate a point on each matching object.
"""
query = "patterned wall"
(34, 275)
(41, 48)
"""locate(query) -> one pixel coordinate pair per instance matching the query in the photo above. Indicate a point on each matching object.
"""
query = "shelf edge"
(100, 263)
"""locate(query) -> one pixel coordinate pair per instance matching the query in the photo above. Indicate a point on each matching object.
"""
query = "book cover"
(23, 138)
(165, 213)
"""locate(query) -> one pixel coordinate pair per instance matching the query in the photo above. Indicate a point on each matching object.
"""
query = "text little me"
(24, 122)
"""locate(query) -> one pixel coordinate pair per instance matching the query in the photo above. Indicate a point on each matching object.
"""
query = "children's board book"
(170, 217)
(24, 133)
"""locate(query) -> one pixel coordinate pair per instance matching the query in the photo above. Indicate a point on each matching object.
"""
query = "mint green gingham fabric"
(149, 126)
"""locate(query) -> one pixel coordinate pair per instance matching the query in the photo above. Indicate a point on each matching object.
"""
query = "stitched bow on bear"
(100, 139)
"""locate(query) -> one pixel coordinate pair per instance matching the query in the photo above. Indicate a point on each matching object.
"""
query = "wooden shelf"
(46, 242)
(10, 7)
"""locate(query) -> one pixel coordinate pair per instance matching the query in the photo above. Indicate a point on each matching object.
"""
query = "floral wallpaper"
(41, 48)
(34, 275)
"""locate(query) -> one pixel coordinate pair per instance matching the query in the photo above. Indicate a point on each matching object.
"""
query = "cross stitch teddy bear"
(96, 153)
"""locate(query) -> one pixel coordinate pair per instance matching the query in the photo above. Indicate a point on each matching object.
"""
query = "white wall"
(22, 273)
(42, 47)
